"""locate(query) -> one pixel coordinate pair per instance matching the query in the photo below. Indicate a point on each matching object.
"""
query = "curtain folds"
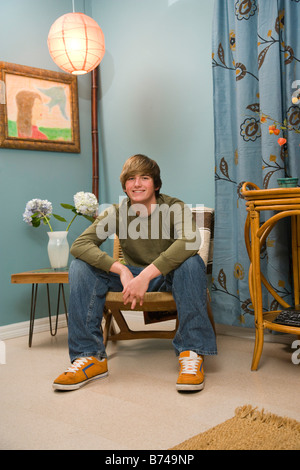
(256, 72)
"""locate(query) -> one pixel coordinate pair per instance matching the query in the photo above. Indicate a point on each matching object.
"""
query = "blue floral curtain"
(256, 73)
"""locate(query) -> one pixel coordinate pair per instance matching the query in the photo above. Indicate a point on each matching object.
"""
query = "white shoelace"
(190, 365)
(78, 363)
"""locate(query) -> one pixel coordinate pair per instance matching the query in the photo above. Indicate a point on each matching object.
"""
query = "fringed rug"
(249, 429)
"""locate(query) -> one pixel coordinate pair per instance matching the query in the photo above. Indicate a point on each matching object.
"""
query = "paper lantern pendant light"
(76, 43)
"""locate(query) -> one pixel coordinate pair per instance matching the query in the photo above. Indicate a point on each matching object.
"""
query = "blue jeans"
(88, 288)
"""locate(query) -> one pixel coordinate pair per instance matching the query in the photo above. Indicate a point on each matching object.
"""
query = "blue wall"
(156, 98)
(26, 174)
(156, 80)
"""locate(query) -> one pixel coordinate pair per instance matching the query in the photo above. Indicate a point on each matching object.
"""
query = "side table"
(283, 202)
(43, 276)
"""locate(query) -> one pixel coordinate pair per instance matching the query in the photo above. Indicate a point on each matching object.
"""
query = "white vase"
(58, 249)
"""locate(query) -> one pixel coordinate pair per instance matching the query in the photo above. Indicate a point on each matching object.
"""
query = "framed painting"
(38, 109)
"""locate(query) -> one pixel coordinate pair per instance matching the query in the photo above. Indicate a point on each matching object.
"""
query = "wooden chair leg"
(258, 347)
(107, 315)
(108, 328)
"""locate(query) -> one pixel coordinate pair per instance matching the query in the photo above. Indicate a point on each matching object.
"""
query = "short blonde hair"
(141, 165)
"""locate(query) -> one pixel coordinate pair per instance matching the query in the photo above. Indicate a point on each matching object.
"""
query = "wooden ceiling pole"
(95, 142)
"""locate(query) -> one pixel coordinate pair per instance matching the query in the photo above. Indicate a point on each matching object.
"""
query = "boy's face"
(140, 190)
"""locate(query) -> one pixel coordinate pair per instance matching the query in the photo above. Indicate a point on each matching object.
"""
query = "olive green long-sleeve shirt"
(166, 237)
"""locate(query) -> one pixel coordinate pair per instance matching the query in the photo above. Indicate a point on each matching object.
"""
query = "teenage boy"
(160, 244)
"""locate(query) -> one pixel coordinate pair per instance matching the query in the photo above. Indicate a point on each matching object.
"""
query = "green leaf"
(35, 221)
(67, 206)
(58, 217)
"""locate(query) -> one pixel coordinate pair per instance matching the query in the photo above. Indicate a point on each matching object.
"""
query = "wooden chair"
(157, 306)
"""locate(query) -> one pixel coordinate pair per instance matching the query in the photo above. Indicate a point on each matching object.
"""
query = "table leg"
(257, 290)
(60, 290)
(258, 347)
(34, 290)
(61, 287)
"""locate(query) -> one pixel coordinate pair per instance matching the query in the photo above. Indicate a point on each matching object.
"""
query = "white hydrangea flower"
(85, 203)
(40, 208)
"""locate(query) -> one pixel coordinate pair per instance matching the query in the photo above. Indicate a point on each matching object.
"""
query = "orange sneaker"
(191, 375)
(82, 371)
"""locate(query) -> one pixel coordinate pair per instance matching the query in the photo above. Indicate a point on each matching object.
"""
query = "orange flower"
(281, 141)
(263, 119)
(272, 129)
(276, 131)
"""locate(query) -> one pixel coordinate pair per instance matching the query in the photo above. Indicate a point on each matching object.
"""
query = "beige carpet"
(249, 429)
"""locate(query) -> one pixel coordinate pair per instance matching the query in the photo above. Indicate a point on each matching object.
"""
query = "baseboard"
(22, 329)
(42, 324)
(249, 333)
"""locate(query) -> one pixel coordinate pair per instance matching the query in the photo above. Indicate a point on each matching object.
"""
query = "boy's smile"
(140, 190)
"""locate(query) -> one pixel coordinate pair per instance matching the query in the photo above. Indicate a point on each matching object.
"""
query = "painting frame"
(16, 77)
